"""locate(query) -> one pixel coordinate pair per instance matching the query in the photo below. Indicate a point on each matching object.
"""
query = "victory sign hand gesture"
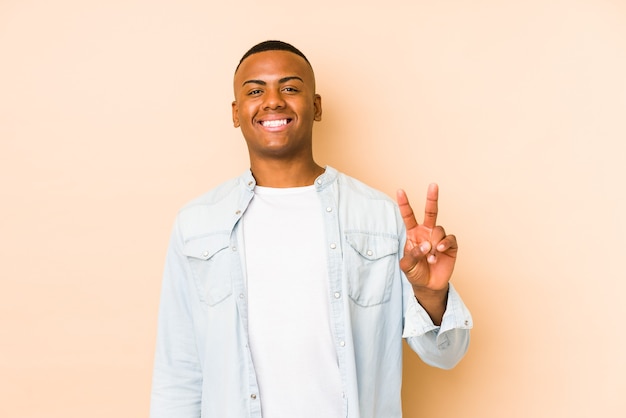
(429, 254)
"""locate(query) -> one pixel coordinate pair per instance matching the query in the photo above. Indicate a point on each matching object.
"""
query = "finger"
(413, 256)
(447, 244)
(431, 209)
(405, 210)
(447, 247)
(436, 236)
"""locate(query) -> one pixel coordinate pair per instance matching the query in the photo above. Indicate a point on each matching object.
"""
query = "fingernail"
(425, 246)
(441, 247)
(432, 259)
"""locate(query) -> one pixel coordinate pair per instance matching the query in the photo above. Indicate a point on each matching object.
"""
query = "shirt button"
(319, 181)
(466, 322)
(333, 246)
(342, 343)
(250, 183)
(241, 296)
(337, 295)
(253, 396)
(329, 209)
(205, 254)
(370, 252)
(237, 212)
(234, 248)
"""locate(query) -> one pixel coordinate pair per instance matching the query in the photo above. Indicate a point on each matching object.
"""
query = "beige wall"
(115, 113)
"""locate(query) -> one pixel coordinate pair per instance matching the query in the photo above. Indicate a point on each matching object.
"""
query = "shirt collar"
(321, 182)
(326, 178)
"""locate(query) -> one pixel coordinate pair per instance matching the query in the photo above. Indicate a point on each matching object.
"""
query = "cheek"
(245, 112)
(304, 109)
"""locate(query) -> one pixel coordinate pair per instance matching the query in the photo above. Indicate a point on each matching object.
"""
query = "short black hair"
(272, 46)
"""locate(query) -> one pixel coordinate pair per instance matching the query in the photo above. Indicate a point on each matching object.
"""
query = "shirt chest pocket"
(209, 260)
(371, 262)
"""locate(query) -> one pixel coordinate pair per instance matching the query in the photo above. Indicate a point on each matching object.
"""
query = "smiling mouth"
(275, 123)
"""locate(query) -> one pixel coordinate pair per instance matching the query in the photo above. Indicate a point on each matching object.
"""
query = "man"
(287, 290)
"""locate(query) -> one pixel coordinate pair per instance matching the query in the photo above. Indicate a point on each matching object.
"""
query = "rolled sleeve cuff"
(417, 322)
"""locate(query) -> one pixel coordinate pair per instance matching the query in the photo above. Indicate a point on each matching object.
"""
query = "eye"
(290, 89)
(254, 92)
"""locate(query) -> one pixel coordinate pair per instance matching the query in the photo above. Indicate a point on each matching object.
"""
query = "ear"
(235, 110)
(317, 105)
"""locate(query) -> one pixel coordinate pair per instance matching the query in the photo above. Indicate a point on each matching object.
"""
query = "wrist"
(433, 301)
(432, 295)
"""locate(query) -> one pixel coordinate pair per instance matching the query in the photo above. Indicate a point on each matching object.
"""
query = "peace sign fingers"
(430, 211)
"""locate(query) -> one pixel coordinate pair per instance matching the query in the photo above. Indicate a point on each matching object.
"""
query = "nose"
(273, 99)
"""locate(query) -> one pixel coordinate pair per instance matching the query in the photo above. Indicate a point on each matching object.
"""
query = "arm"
(437, 322)
(177, 377)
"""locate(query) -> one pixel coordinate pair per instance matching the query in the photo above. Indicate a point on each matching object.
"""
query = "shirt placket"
(334, 256)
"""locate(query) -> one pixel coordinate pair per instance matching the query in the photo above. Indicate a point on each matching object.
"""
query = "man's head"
(272, 46)
(275, 101)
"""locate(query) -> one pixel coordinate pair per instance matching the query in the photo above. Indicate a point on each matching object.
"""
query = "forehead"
(270, 65)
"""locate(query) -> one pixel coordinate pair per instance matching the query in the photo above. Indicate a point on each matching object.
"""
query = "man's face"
(275, 104)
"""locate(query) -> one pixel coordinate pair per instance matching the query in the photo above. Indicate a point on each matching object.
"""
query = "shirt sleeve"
(177, 375)
(439, 346)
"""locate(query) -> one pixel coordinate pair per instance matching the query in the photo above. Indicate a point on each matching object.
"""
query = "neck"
(285, 174)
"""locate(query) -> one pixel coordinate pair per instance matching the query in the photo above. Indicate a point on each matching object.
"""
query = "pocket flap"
(372, 247)
(205, 247)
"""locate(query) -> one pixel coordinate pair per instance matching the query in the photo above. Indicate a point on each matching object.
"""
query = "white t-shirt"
(289, 326)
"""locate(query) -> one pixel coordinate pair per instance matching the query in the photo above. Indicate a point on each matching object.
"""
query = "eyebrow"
(281, 81)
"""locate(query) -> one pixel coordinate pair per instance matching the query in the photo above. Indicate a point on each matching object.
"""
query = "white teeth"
(274, 123)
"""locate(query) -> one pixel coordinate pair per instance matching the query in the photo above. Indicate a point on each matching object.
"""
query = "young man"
(287, 290)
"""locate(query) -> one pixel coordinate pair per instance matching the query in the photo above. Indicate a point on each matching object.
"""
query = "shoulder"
(214, 196)
(363, 208)
(359, 190)
(213, 211)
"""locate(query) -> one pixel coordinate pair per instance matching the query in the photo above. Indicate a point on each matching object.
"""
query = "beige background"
(114, 113)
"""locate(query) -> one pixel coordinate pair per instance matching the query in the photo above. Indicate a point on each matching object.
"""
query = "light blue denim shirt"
(203, 366)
